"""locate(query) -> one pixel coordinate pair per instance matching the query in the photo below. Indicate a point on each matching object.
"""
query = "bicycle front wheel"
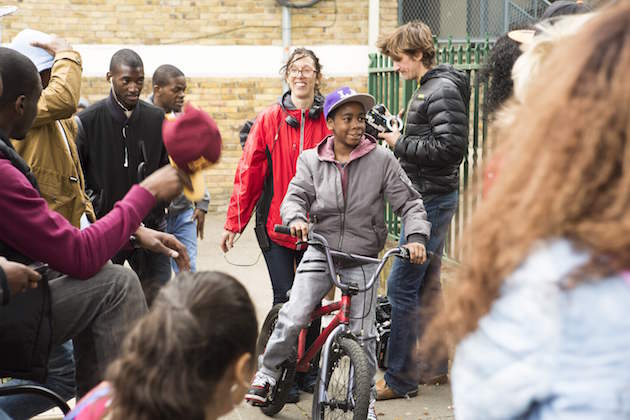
(347, 388)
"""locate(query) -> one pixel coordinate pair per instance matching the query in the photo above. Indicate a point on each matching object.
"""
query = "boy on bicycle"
(341, 186)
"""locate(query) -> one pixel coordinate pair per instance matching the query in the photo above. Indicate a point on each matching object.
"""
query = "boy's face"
(348, 124)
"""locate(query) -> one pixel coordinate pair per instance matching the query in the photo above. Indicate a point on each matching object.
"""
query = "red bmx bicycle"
(343, 382)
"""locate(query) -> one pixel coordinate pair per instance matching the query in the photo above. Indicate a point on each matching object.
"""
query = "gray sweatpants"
(312, 282)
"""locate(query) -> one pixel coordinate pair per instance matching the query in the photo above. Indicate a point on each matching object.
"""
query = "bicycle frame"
(342, 318)
(340, 324)
(341, 321)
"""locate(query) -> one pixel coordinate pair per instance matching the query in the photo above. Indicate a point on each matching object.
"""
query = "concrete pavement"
(246, 263)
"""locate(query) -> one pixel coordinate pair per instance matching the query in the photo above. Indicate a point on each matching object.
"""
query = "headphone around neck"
(314, 111)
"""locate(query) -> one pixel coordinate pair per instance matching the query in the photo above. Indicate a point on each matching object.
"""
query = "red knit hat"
(193, 142)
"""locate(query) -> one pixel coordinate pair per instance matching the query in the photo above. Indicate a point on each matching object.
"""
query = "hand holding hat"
(28, 43)
(193, 142)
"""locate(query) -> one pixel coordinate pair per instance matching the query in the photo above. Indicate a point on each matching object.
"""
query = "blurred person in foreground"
(191, 357)
(539, 314)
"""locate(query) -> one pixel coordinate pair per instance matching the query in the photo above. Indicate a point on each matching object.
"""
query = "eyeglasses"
(304, 71)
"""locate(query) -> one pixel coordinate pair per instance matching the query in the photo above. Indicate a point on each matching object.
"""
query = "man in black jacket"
(430, 149)
(119, 144)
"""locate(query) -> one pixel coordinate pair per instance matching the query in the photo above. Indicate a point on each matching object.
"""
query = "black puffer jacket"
(435, 137)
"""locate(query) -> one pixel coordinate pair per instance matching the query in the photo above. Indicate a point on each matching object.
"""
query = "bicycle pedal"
(254, 402)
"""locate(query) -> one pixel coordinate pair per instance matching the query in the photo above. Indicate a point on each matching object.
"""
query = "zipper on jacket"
(345, 203)
(124, 134)
(302, 130)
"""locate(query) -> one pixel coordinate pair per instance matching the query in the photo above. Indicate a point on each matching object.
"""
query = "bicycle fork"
(342, 321)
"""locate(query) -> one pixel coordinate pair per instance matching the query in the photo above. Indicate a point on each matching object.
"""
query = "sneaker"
(372, 411)
(260, 390)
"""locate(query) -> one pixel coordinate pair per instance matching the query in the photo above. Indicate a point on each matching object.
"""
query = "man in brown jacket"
(49, 147)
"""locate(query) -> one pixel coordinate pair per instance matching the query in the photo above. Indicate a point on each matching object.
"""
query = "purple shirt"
(31, 228)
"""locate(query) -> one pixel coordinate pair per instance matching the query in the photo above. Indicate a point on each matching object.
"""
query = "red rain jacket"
(285, 143)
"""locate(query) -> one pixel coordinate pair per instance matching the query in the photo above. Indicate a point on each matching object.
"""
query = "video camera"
(379, 120)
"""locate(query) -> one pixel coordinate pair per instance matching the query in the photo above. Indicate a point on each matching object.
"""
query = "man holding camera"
(430, 149)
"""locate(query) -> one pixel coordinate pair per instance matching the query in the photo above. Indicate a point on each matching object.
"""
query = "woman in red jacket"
(280, 133)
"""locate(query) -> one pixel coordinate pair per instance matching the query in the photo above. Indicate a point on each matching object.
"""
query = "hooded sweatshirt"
(346, 202)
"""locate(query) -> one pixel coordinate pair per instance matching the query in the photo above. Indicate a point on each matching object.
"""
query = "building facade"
(231, 51)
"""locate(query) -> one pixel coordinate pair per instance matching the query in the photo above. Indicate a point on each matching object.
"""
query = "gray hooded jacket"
(354, 221)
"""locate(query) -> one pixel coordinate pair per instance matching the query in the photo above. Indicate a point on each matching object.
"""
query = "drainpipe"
(373, 24)
(286, 40)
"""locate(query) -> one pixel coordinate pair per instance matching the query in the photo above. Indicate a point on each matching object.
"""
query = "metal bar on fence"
(506, 15)
(483, 17)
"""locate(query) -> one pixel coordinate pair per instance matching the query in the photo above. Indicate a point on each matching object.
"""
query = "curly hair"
(173, 358)
(497, 71)
(567, 174)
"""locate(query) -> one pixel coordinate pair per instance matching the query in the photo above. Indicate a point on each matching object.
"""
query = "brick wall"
(190, 21)
(388, 15)
(207, 22)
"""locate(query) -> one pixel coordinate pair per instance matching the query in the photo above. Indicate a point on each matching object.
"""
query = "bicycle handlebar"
(319, 241)
(285, 230)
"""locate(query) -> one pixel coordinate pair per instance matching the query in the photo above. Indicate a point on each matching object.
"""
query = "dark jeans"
(153, 270)
(60, 380)
(415, 294)
(281, 264)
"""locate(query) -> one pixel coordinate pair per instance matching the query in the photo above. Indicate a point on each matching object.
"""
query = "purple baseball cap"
(344, 95)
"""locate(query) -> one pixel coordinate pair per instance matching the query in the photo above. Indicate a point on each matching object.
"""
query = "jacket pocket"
(380, 231)
(62, 194)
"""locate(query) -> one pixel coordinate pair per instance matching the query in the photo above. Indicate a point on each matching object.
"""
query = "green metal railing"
(385, 86)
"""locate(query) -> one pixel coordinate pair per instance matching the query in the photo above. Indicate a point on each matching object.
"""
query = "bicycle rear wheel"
(347, 391)
(284, 383)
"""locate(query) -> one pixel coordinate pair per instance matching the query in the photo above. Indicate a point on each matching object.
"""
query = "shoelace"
(261, 380)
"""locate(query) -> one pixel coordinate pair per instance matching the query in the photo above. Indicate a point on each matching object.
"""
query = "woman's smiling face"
(301, 76)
